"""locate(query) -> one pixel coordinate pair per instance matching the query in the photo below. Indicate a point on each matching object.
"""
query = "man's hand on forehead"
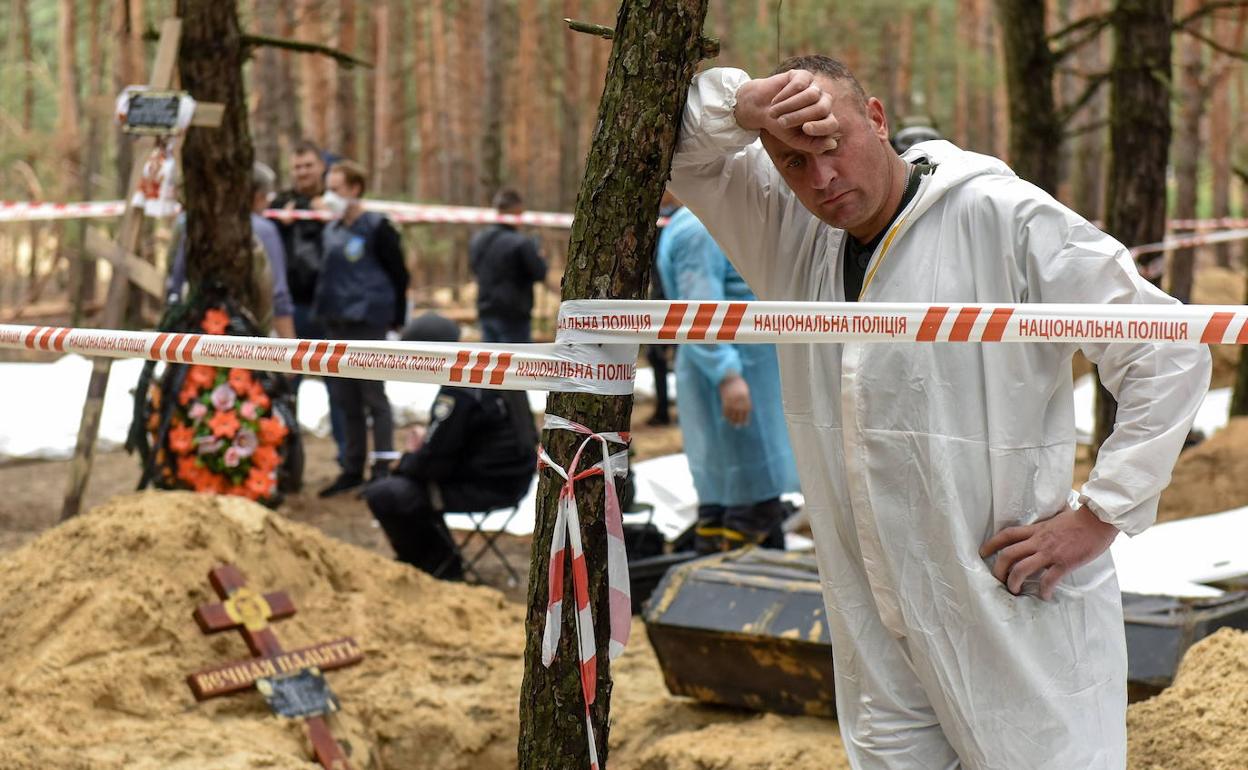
(792, 107)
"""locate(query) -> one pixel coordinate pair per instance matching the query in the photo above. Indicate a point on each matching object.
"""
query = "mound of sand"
(1204, 479)
(98, 637)
(1199, 722)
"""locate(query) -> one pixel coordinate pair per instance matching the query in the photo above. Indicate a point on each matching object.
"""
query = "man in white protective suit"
(975, 615)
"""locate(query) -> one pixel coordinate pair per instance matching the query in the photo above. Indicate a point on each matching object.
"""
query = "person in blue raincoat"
(730, 411)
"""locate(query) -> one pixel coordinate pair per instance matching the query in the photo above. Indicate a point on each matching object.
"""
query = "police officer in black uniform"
(478, 453)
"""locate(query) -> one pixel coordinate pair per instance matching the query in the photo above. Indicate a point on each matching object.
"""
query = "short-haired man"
(507, 264)
(360, 295)
(974, 613)
(302, 237)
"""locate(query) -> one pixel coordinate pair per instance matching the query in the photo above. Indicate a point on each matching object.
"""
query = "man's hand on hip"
(790, 106)
(1054, 547)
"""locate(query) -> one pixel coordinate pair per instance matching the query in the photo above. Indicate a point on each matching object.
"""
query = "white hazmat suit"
(912, 455)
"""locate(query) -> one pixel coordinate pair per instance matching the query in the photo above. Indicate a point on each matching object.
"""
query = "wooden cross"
(249, 613)
(121, 257)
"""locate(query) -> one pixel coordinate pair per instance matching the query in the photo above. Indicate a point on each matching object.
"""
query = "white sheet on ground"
(1177, 558)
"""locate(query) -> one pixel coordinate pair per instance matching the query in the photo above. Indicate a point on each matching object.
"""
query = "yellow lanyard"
(888, 241)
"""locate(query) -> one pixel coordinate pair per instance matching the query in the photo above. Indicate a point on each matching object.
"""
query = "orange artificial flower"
(188, 393)
(265, 458)
(210, 483)
(259, 483)
(256, 393)
(240, 381)
(224, 424)
(188, 471)
(272, 431)
(181, 438)
(202, 376)
(215, 321)
(240, 490)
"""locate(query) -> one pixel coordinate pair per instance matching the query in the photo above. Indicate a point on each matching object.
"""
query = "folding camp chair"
(490, 544)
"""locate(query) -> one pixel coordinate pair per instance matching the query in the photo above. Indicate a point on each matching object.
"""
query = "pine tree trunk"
(1139, 139)
(570, 111)
(1087, 171)
(962, 76)
(438, 32)
(905, 65)
(314, 72)
(385, 170)
(21, 12)
(1035, 135)
(520, 144)
(1220, 137)
(496, 33)
(344, 136)
(129, 69)
(266, 88)
(654, 55)
(288, 103)
(216, 162)
(1191, 99)
(83, 286)
(426, 109)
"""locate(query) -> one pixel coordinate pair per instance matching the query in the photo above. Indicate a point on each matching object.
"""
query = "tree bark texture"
(266, 77)
(1190, 97)
(1035, 134)
(1087, 172)
(344, 137)
(216, 162)
(1139, 139)
(654, 54)
(495, 54)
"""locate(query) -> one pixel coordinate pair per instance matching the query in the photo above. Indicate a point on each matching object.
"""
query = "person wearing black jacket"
(506, 264)
(478, 453)
(360, 295)
(301, 239)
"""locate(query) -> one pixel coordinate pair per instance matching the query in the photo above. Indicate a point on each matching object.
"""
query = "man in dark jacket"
(360, 295)
(506, 264)
(478, 453)
(301, 241)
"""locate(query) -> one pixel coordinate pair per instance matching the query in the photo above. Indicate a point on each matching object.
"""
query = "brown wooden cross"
(249, 613)
(126, 268)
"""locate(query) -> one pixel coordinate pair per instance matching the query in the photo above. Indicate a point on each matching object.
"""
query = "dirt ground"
(422, 699)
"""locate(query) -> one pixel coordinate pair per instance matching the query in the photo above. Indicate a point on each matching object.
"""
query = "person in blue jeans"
(361, 294)
(506, 263)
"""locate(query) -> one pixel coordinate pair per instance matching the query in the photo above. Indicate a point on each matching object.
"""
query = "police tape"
(668, 322)
(1188, 241)
(25, 211)
(400, 212)
(600, 369)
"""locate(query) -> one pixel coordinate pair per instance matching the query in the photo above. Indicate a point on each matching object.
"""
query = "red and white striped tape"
(566, 543)
(663, 321)
(603, 369)
(26, 211)
(398, 211)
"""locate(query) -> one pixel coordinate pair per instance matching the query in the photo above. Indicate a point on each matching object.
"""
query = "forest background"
(468, 95)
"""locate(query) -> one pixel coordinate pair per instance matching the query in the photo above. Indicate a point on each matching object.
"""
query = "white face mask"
(336, 204)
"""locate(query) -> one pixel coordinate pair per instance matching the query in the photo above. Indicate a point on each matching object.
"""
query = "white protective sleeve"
(723, 174)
